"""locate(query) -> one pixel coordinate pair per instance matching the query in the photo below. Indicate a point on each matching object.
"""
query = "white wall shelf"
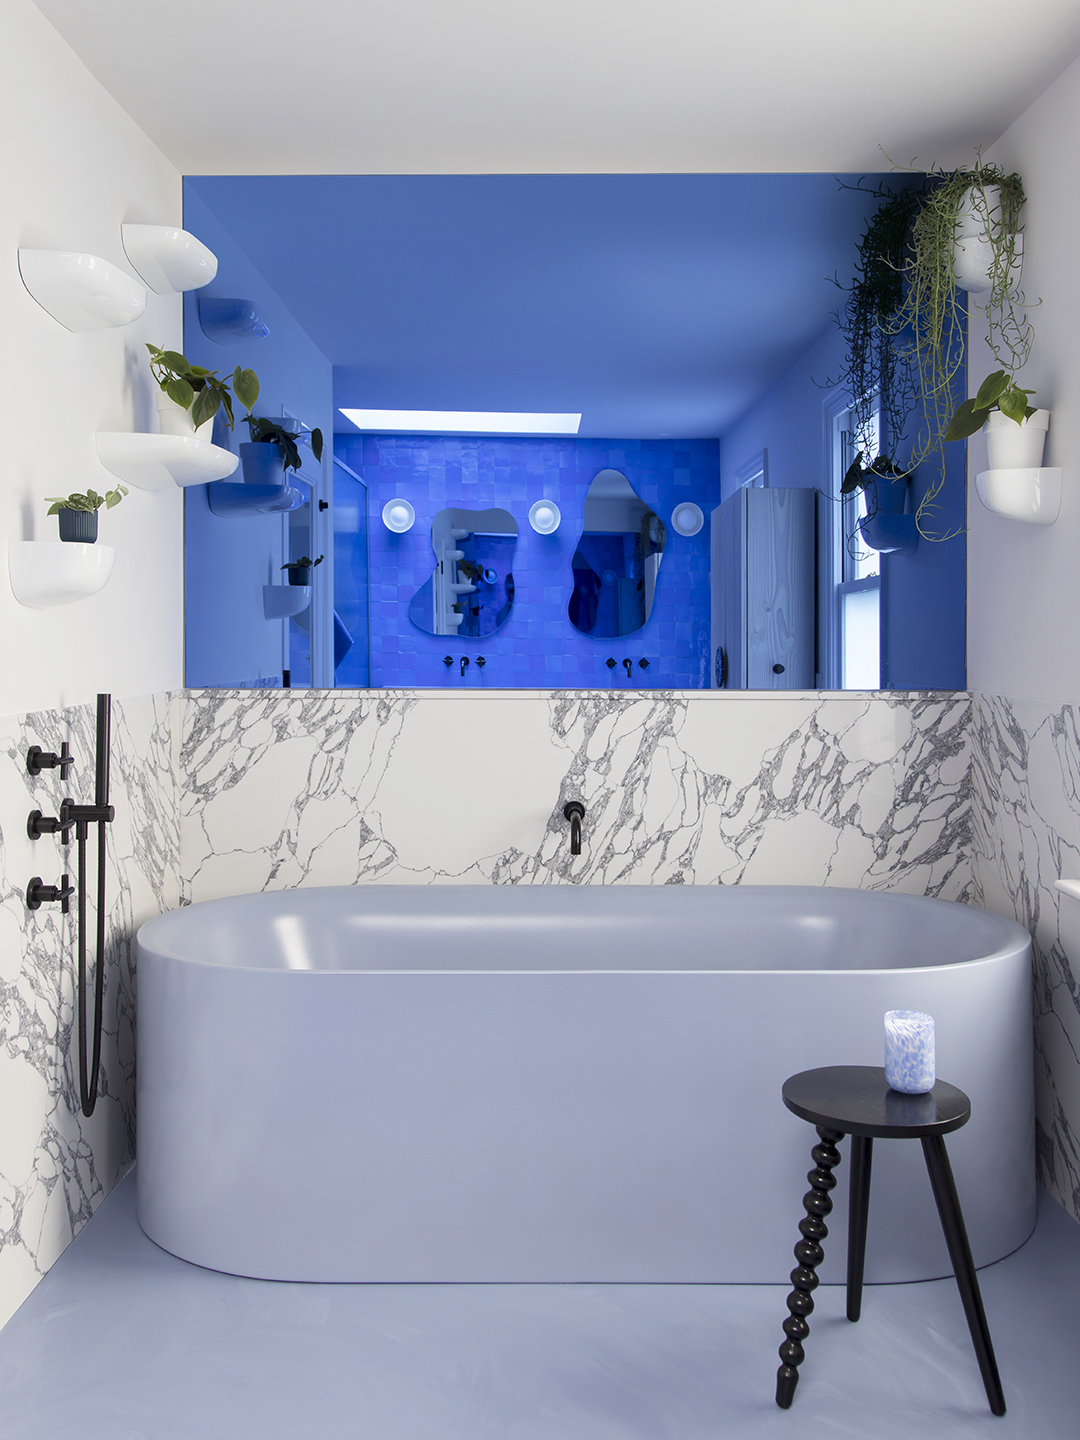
(83, 292)
(1031, 495)
(158, 462)
(55, 572)
(282, 601)
(167, 258)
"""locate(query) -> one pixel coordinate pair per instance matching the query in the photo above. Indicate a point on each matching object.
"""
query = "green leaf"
(292, 455)
(1013, 404)
(855, 478)
(316, 443)
(245, 385)
(993, 386)
(207, 403)
(1029, 410)
(199, 370)
(180, 392)
(967, 419)
(175, 361)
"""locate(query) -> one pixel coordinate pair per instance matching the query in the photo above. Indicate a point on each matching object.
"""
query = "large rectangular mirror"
(690, 320)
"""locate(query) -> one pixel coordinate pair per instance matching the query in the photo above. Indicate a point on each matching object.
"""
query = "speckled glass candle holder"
(909, 1051)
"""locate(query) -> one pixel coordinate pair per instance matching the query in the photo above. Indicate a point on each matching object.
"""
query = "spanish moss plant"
(933, 312)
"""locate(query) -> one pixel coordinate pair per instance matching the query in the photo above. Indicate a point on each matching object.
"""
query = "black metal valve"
(38, 759)
(38, 893)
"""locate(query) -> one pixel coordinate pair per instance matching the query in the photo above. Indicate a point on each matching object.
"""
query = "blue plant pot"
(263, 463)
(80, 526)
(887, 529)
(299, 576)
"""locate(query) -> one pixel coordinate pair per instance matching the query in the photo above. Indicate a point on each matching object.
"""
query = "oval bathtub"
(559, 1083)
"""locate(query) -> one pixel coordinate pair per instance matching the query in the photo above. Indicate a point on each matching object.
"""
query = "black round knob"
(778, 669)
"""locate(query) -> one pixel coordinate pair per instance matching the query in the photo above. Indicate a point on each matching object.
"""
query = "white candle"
(909, 1051)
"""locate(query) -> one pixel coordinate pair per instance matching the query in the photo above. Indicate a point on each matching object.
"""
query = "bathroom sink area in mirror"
(471, 592)
(617, 560)
(622, 349)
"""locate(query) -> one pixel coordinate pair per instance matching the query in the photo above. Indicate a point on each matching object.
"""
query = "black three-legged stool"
(855, 1100)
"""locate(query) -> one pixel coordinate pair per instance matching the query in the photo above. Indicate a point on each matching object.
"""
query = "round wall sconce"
(398, 515)
(687, 518)
(545, 517)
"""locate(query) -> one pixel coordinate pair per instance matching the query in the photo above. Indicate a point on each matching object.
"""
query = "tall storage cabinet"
(762, 584)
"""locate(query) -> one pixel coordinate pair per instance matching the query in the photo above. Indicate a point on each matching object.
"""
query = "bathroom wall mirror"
(690, 320)
(471, 591)
(616, 560)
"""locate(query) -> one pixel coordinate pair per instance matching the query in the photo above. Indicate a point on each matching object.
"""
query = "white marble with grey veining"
(1026, 835)
(55, 1165)
(412, 787)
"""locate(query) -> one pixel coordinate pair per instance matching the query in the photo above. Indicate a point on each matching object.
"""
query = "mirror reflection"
(616, 561)
(471, 592)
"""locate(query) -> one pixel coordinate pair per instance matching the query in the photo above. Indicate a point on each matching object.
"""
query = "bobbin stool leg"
(862, 1153)
(967, 1282)
(809, 1254)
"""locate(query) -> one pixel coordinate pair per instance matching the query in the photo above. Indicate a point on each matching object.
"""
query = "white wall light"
(83, 292)
(687, 518)
(545, 517)
(464, 422)
(398, 515)
(167, 258)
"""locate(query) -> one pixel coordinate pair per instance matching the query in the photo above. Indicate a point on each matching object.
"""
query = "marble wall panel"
(1026, 834)
(309, 788)
(55, 1165)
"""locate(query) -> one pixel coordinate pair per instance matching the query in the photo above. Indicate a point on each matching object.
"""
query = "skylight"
(470, 422)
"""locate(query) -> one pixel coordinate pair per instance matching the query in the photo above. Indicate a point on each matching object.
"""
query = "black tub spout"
(574, 811)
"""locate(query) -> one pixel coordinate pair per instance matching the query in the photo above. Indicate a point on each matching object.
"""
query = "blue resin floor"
(121, 1341)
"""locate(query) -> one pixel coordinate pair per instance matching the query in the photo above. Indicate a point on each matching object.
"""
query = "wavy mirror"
(471, 591)
(616, 561)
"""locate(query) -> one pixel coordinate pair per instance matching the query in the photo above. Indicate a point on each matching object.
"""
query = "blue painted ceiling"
(654, 304)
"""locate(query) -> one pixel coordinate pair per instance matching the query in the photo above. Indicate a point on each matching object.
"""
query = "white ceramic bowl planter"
(973, 253)
(175, 420)
(1010, 446)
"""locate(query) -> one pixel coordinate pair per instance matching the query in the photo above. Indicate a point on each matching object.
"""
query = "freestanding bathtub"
(559, 1083)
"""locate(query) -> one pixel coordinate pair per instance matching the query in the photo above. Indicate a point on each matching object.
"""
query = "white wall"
(1024, 580)
(75, 166)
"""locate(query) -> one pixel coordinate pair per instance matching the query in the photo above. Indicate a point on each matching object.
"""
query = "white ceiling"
(533, 86)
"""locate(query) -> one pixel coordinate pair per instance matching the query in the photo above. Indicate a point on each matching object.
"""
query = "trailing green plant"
(90, 501)
(304, 563)
(936, 318)
(265, 430)
(199, 390)
(878, 371)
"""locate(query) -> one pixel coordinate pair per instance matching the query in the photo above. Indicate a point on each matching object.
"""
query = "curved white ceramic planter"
(282, 601)
(973, 254)
(83, 292)
(687, 518)
(398, 516)
(158, 462)
(545, 517)
(175, 420)
(53, 572)
(1031, 494)
(167, 258)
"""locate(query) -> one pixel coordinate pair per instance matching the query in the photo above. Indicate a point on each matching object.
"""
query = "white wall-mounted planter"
(168, 259)
(398, 515)
(282, 601)
(53, 572)
(973, 254)
(1031, 494)
(83, 292)
(158, 462)
(687, 518)
(1013, 446)
(545, 517)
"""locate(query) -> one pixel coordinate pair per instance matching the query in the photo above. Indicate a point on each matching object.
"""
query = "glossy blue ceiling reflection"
(654, 304)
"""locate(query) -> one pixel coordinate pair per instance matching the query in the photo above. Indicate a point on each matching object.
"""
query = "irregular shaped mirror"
(617, 559)
(472, 590)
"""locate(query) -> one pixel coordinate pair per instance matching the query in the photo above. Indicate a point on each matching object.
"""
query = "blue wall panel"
(537, 646)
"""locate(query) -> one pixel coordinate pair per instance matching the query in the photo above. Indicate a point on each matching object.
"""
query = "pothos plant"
(934, 315)
(91, 500)
(199, 390)
(265, 430)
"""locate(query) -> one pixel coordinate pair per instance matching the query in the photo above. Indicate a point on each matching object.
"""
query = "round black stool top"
(856, 1100)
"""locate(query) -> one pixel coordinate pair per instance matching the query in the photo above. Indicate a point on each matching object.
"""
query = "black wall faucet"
(629, 669)
(464, 663)
(574, 811)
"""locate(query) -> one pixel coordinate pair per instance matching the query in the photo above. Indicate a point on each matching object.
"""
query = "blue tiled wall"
(537, 646)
